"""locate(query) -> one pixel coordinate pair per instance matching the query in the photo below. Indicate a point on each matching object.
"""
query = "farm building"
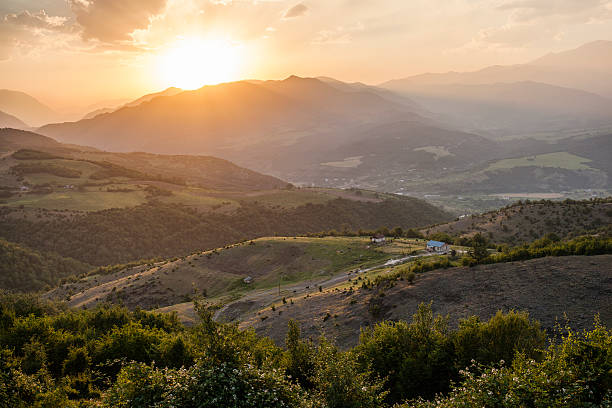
(437, 246)
(378, 239)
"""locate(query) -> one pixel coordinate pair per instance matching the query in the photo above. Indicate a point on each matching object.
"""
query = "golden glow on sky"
(193, 62)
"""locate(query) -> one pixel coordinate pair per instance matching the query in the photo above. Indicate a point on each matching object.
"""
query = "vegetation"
(45, 168)
(158, 229)
(28, 154)
(527, 220)
(23, 269)
(54, 357)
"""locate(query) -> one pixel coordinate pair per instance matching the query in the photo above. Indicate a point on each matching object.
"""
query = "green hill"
(529, 220)
(22, 269)
(159, 229)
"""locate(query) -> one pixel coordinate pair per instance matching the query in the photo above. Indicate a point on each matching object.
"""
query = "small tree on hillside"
(479, 250)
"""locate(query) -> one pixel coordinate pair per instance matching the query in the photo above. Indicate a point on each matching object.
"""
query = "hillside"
(159, 229)
(219, 274)
(524, 222)
(22, 269)
(26, 108)
(502, 110)
(15, 139)
(548, 288)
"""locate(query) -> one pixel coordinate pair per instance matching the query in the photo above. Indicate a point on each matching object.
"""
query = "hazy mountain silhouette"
(146, 98)
(10, 121)
(556, 93)
(245, 121)
(520, 108)
(26, 108)
(587, 68)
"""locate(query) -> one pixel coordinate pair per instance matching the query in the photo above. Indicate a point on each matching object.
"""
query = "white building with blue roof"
(437, 246)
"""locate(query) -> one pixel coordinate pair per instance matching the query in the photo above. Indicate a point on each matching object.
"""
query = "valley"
(191, 216)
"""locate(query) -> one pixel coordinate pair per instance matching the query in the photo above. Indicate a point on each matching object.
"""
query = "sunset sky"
(71, 53)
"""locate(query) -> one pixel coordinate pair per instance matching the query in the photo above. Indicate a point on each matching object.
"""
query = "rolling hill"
(220, 273)
(23, 269)
(103, 208)
(15, 139)
(525, 221)
(548, 288)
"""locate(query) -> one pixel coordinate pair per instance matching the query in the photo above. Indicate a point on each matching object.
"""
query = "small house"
(437, 246)
(378, 239)
(248, 280)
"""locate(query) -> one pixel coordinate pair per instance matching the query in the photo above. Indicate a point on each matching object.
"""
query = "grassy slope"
(527, 221)
(548, 288)
(166, 230)
(220, 272)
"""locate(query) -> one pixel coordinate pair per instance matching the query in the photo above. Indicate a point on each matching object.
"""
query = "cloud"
(569, 10)
(28, 31)
(114, 20)
(296, 11)
(37, 20)
(338, 35)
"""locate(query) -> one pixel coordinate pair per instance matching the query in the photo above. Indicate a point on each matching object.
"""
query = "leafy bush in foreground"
(575, 373)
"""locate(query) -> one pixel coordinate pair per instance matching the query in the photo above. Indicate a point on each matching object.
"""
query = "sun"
(194, 62)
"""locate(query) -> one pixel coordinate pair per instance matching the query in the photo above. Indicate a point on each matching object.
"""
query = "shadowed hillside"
(524, 222)
(548, 288)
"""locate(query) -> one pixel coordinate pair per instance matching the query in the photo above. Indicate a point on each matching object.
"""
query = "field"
(81, 201)
(561, 160)
(437, 151)
(346, 163)
(218, 275)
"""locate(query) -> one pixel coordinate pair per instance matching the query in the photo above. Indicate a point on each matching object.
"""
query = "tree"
(479, 250)
(299, 357)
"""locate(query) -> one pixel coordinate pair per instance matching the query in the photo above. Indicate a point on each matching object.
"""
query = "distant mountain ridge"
(286, 128)
(11, 121)
(26, 108)
(563, 92)
(586, 67)
(146, 98)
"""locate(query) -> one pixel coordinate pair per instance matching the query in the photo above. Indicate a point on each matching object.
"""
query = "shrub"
(415, 358)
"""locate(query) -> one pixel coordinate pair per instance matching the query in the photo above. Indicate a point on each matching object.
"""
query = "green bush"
(498, 339)
(416, 359)
(575, 373)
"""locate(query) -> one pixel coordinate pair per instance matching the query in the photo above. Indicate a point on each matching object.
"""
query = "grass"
(349, 162)
(561, 160)
(437, 151)
(196, 197)
(81, 201)
(290, 198)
